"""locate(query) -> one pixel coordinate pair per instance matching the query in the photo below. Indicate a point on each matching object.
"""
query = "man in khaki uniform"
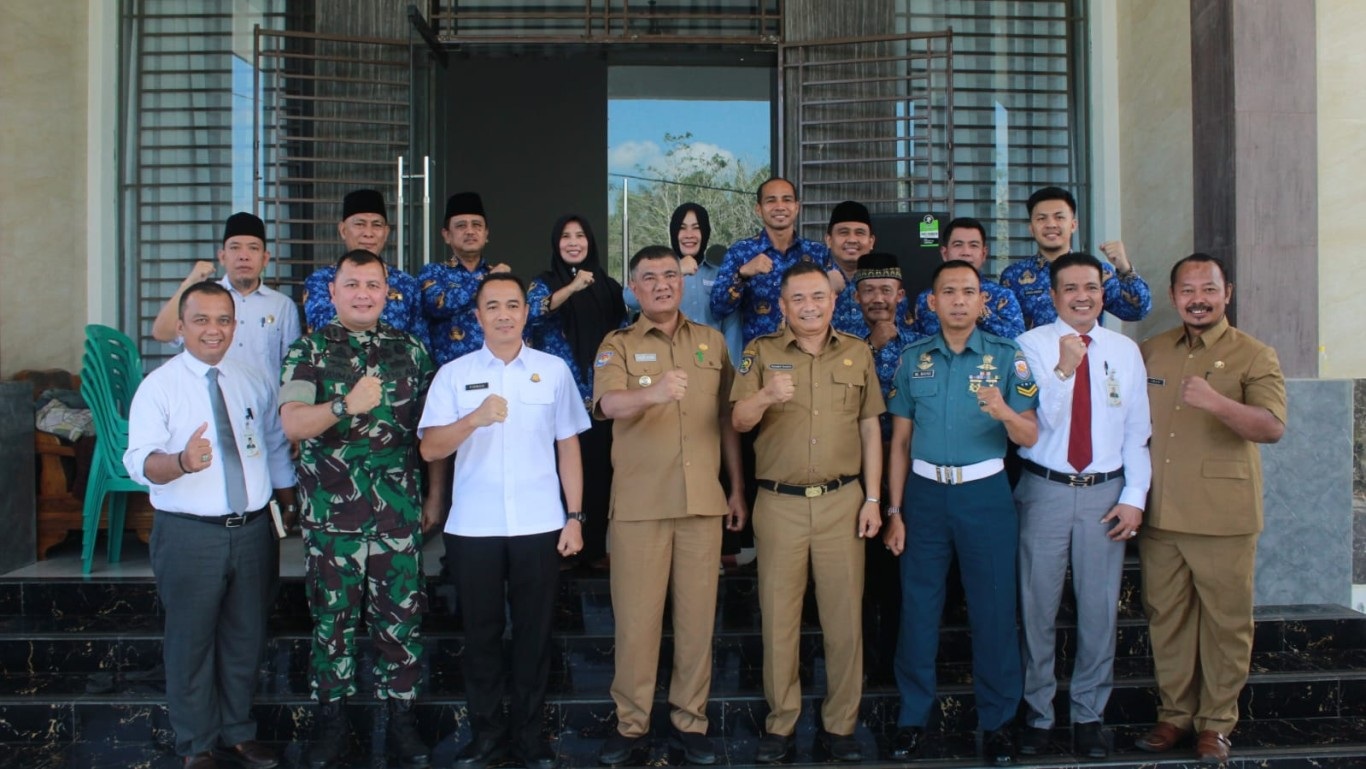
(814, 394)
(1215, 394)
(665, 381)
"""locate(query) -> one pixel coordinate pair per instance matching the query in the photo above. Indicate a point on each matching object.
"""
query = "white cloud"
(633, 157)
(629, 157)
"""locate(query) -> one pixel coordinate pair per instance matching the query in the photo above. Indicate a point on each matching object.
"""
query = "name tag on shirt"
(780, 366)
(477, 386)
(922, 374)
(1152, 380)
(646, 357)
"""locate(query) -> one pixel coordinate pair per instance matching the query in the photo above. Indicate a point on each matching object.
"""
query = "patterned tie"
(234, 481)
(1079, 439)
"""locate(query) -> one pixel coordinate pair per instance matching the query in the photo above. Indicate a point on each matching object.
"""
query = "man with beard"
(1216, 393)
(267, 320)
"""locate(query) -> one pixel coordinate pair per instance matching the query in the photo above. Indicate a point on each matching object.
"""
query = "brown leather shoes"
(1212, 748)
(250, 754)
(201, 761)
(1161, 738)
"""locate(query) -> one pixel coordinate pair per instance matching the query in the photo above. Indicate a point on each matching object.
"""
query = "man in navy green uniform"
(955, 399)
(351, 395)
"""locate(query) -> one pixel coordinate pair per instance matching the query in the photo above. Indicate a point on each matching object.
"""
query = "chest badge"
(645, 380)
(763, 308)
(924, 363)
(535, 377)
(985, 376)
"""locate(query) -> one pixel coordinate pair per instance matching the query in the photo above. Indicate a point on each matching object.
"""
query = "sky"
(636, 128)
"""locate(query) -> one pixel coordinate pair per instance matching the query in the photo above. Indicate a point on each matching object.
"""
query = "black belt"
(226, 521)
(1072, 479)
(807, 491)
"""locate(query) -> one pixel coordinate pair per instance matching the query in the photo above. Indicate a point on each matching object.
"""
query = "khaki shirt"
(666, 460)
(814, 437)
(1207, 479)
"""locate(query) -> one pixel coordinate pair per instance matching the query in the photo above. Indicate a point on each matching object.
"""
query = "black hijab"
(703, 223)
(589, 314)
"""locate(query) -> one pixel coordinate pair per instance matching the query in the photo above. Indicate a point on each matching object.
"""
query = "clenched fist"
(757, 266)
(780, 387)
(991, 401)
(582, 279)
(672, 386)
(364, 395)
(493, 410)
(1071, 349)
(202, 271)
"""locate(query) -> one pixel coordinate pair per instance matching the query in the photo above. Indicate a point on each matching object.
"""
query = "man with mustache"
(448, 288)
(1052, 222)
(267, 320)
(813, 392)
(1216, 393)
(1081, 499)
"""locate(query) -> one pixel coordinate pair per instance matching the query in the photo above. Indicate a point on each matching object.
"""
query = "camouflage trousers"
(382, 575)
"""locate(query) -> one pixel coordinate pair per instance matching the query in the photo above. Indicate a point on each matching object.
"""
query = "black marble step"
(137, 735)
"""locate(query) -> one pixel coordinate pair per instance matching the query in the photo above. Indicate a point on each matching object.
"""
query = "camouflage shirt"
(361, 474)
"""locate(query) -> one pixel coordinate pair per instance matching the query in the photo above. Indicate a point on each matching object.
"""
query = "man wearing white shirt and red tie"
(512, 416)
(204, 436)
(1082, 494)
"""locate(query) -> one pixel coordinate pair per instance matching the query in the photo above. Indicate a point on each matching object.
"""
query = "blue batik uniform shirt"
(1001, 317)
(757, 297)
(1126, 298)
(936, 389)
(448, 292)
(402, 308)
(886, 361)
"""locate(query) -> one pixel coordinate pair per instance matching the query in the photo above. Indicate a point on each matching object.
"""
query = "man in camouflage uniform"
(352, 393)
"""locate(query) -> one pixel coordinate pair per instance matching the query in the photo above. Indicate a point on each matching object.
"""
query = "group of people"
(535, 422)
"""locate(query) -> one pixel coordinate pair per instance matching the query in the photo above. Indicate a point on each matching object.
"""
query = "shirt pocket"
(706, 375)
(642, 373)
(1231, 469)
(848, 390)
(1227, 385)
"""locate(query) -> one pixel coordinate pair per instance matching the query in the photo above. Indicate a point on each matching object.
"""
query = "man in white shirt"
(204, 436)
(267, 320)
(1082, 493)
(514, 415)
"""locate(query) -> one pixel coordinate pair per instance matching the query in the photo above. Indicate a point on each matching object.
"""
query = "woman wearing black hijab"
(574, 304)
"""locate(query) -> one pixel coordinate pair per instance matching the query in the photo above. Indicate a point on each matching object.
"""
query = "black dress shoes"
(481, 751)
(774, 748)
(998, 747)
(907, 742)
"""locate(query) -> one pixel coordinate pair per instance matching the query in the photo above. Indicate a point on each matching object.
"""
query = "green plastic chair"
(111, 371)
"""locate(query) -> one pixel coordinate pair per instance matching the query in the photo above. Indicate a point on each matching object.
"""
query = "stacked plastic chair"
(110, 374)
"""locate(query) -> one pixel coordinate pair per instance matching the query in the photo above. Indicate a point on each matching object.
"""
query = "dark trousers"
(976, 520)
(595, 445)
(497, 576)
(215, 584)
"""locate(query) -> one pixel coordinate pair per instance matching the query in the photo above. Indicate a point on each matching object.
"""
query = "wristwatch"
(580, 517)
(338, 407)
(1057, 372)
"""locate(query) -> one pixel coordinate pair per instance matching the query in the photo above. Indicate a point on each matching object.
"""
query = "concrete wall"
(1155, 146)
(1341, 186)
(42, 184)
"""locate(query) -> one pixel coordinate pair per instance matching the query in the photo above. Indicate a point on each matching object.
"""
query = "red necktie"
(1079, 439)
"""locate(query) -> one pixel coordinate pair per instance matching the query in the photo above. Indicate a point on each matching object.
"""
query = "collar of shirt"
(1208, 338)
(789, 339)
(485, 358)
(644, 325)
(798, 243)
(482, 266)
(198, 367)
(336, 332)
(975, 343)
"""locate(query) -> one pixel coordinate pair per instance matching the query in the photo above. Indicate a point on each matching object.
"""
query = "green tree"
(720, 184)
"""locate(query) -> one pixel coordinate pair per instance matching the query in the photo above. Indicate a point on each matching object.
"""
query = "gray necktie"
(234, 482)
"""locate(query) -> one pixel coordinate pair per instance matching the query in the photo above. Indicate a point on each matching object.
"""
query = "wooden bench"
(62, 470)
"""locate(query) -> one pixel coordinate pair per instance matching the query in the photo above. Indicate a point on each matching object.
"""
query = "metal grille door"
(868, 119)
(333, 116)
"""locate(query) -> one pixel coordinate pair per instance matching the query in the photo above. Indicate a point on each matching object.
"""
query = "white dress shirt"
(1120, 425)
(506, 482)
(267, 324)
(173, 401)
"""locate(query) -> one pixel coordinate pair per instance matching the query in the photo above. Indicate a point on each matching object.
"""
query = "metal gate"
(867, 119)
(333, 114)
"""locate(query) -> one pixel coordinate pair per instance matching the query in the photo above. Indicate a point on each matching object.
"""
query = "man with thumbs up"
(512, 416)
(204, 436)
(814, 394)
(351, 394)
(665, 381)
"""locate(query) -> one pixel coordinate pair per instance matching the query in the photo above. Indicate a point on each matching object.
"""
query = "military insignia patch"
(457, 333)
(924, 362)
(1027, 390)
(1022, 369)
(763, 308)
(603, 358)
(746, 362)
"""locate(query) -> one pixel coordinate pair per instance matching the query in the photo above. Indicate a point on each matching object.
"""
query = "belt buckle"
(812, 492)
(234, 521)
(951, 476)
(1077, 481)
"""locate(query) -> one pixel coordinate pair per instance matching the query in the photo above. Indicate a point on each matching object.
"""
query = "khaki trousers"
(1197, 591)
(791, 532)
(651, 561)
